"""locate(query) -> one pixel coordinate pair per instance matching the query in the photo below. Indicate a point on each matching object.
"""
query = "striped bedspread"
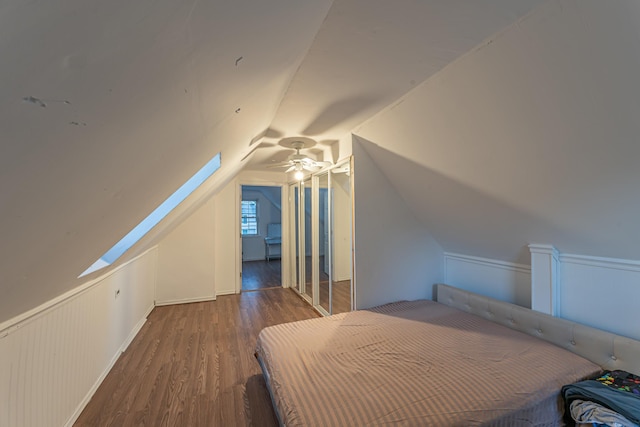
(414, 364)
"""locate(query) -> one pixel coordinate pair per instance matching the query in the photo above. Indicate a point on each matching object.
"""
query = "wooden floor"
(261, 274)
(264, 274)
(340, 294)
(193, 365)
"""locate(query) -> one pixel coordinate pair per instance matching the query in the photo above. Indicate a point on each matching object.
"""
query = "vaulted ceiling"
(106, 108)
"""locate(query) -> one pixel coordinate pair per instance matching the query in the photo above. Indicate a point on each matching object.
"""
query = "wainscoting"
(596, 291)
(54, 357)
(600, 292)
(496, 279)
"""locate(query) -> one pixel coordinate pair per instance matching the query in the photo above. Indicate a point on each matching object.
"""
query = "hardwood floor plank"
(261, 274)
(193, 365)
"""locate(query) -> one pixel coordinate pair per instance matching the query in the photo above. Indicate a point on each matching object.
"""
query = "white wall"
(395, 255)
(600, 292)
(55, 356)
(531, 137)
(227, 237)
(342, 220)
(186, 259)
(496, 279)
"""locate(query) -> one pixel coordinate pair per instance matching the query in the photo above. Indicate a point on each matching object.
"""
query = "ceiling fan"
(299, 162)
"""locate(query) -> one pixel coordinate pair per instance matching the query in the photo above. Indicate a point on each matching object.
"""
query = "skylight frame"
(157, 215)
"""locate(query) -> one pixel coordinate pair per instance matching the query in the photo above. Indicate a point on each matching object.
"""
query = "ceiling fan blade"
(342, 169)
(310, 167)
(292, 168)
(307, 161)
(279, 165)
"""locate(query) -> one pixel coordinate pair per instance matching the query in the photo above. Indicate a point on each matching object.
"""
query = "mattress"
(414, 363)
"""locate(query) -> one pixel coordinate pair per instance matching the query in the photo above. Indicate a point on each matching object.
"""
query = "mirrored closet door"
(340, 236)
(294, 228)
(321, 239)
(323, 247)
(306, 238)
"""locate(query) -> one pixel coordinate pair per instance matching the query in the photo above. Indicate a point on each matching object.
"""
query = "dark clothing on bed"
(616, 390)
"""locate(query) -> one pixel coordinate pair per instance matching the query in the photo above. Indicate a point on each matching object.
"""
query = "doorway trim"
(284, 215)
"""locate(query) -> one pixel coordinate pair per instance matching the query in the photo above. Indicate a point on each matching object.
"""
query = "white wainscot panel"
(601, 292)
(54, 358)
(496, 279)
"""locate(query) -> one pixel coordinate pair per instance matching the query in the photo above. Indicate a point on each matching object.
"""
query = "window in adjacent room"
(140, 230)
(249, 218)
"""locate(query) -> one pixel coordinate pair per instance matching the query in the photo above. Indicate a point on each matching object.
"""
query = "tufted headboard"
(608, 350)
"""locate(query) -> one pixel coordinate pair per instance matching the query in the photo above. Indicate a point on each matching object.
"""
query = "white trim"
(137, 328)
(315, 239)
(284, 245)
(185, 300)
(87, 398)
(494, 263)
(25, 318)
(255, 182)
(229, 292)
(614, 263)
(544, 249)
(238, 232)
(352, 187)
(545, 286)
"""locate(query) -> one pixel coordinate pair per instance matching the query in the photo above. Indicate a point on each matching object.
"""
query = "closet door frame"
(312, 182)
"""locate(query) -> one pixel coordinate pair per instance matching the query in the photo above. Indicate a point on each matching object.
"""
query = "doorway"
(260, 227)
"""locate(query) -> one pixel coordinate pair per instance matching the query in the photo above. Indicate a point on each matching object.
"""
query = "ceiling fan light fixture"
(298, 175)
(298, 162)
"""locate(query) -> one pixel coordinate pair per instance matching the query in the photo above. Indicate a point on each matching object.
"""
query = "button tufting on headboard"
(608, 350)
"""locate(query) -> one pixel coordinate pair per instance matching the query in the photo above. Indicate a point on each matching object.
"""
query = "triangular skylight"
(155, 217)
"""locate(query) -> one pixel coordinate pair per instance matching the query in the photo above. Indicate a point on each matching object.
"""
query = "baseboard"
(185, 301)
(110, 366)
(136, 329)
(229, 292)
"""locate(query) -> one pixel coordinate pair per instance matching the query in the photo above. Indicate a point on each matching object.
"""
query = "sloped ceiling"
(530, 138)
(124, 102)
(107, 107)
(367, 54)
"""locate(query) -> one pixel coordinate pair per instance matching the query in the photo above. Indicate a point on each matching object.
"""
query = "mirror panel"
(323, 248)
(294, 256)
(341, 221)
(307, 270)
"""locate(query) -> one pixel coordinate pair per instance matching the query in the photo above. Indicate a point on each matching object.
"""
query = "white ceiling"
(107, 107)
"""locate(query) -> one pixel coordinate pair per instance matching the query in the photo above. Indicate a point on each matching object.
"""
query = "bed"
(464, 360)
